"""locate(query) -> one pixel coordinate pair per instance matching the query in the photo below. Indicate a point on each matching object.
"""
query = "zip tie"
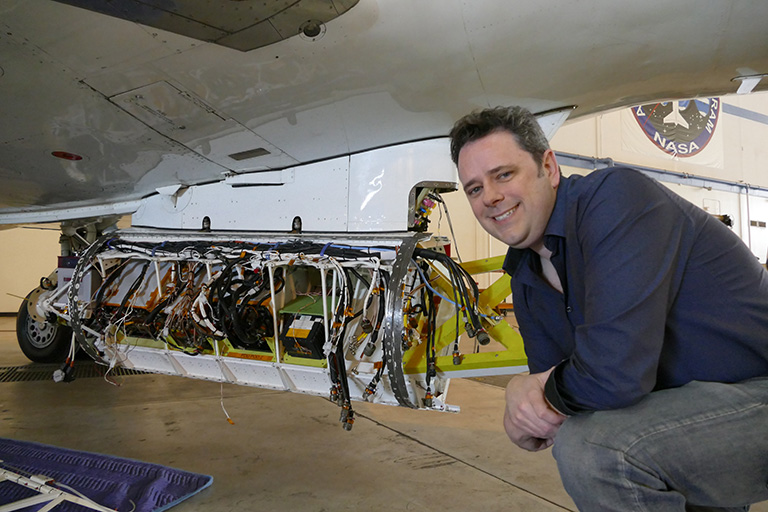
(158, 247)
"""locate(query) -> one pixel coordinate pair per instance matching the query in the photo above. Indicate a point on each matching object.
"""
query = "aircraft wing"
(105, 103)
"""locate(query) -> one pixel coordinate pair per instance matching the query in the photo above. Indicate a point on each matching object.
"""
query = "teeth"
(505, 215)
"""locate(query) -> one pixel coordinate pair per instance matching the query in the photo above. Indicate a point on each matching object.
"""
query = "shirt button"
(568, 309)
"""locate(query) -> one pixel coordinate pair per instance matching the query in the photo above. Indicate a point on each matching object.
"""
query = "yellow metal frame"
(415, 361)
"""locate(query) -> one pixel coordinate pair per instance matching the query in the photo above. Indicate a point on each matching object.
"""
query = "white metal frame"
(53, 496)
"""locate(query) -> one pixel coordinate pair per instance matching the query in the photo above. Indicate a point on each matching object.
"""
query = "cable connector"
(369, 349)
(347, 417)
(407, 343)
(335, 396)
(431, 368)
(457, 358)
(369, 391)
(428, 399)
(66, 373)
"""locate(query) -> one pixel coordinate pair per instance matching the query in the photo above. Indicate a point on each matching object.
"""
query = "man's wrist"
(544, 379)
(551, 394)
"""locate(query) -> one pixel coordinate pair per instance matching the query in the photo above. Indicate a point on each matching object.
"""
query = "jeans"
(701, 447)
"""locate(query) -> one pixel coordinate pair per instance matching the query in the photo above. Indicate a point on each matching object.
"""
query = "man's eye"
(504, 175)
(473, 191)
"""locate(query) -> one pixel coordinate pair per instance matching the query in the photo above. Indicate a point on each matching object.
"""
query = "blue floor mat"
(121, 484)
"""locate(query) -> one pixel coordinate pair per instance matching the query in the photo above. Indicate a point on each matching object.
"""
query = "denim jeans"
(701, 447)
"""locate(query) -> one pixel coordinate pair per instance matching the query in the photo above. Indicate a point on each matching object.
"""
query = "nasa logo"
(680, 128)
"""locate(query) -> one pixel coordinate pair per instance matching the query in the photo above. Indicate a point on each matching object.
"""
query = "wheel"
(41, 342)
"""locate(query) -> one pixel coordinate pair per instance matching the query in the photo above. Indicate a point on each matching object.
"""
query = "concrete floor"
(288, 451)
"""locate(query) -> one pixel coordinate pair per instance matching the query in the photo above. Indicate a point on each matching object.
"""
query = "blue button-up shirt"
(656, 293)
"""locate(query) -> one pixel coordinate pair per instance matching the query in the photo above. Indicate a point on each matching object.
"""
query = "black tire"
(47, 342)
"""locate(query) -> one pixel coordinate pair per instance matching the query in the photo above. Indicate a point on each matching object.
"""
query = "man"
(645, 322)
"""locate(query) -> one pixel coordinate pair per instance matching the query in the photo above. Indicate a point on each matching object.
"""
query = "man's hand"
(531, 423)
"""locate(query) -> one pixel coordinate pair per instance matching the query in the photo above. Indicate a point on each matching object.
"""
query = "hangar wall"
(28, 254)
(737, 153)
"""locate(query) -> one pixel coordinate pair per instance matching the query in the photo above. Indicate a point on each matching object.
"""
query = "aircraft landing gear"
(41, 340)
(42, 335)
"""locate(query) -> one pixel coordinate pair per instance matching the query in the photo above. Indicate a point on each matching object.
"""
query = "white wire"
(443, 206)
(229, 419)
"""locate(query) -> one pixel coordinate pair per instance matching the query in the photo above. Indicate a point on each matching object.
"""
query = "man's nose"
(492, 194)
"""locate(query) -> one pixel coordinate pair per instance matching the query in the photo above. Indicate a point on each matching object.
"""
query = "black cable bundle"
(460, 278)
(246, 325)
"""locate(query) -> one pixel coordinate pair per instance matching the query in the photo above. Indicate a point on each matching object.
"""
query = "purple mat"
(110, 481)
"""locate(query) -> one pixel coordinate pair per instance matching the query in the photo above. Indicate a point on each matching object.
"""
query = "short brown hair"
(515, 120)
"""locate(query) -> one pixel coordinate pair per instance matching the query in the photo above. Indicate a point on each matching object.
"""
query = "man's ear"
(551, 167)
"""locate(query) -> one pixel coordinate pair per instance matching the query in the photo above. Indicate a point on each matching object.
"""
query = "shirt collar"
(556, 225)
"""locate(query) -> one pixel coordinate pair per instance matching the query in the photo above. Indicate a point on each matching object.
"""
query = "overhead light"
(312, 30)
(65, 155)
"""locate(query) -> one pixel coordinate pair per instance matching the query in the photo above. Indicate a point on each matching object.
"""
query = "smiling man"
(645, 323)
